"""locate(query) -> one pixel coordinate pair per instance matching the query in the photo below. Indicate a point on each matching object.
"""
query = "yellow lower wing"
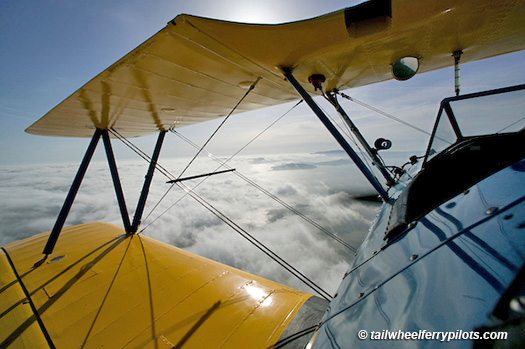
(101, 288)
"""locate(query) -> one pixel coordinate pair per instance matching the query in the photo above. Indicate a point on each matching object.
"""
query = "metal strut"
(335, 133)
(130, 228)
(332, 97)
(457, 57)
(116, 181)
(147, 183)
(59, 224)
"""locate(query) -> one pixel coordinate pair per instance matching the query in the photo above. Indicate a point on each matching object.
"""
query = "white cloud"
(32, 197)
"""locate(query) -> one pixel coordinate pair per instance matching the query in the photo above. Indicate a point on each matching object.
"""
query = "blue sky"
(51, 48)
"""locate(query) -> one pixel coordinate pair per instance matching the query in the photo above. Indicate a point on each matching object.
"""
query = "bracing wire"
(263, 131)
(256, 242)
(392, 169)
(222, 123)
(252, 183)
(260, 188)
(364, 155)
(222, 164)
(512, 124)
(210, 155)
(156, 206)
(293, 337)
(380, 112)
(140, 153)
(165, 172)
(147, 158)
(219, 214)
(241, 231)
(170, 176)
(346, 131)
(272, 196)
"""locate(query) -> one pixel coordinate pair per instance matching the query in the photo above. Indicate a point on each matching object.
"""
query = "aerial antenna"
(457, 57)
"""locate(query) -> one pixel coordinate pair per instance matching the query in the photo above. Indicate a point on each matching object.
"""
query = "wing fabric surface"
(197, 69)
(15, 311)
(101, 288)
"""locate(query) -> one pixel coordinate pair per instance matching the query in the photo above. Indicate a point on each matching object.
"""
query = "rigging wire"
(256, 242)
(287, 266)
(140, 153)
(223, 164)
(157, 205)
(252, 183)
(263, 131)
(357, 144)
(147, 158)
(512, 124)
(260, 188)
(379, 111)
(295, 336)
(222, 216)
(170, 176)
(222, 123)
(394, 170)
(364, 154)
(273, 197)
(165, 172)
(349, 134)
(346, 131)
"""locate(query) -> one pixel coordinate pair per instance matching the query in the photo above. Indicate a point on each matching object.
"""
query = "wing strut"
(147, 183)
(57, 228)
(335, 133)
(457, 57)
(332, 98)
(116, 181)
(130, 228)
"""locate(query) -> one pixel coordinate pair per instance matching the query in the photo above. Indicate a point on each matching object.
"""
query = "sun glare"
(254, 12)
(259, 294)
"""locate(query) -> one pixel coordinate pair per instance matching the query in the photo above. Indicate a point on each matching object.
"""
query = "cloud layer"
(31, 198)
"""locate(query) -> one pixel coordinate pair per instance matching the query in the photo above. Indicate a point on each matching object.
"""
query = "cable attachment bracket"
(317, 81)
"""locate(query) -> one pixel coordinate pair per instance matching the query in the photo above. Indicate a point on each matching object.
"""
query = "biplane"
(445, 252)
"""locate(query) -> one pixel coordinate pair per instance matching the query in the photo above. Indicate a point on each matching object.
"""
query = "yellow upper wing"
(101, 288)
(197, 69)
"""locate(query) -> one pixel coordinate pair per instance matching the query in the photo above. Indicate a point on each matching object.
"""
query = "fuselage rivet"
(491, 210)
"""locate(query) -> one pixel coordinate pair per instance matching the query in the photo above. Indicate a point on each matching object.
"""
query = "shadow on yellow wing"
(102, 288)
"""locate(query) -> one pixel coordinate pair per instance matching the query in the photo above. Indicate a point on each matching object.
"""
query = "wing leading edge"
(196, 69)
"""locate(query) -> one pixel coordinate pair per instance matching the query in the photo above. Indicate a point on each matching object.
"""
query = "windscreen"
(478, 115)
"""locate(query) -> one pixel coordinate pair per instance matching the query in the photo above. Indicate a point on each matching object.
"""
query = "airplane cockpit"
(474, 136)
